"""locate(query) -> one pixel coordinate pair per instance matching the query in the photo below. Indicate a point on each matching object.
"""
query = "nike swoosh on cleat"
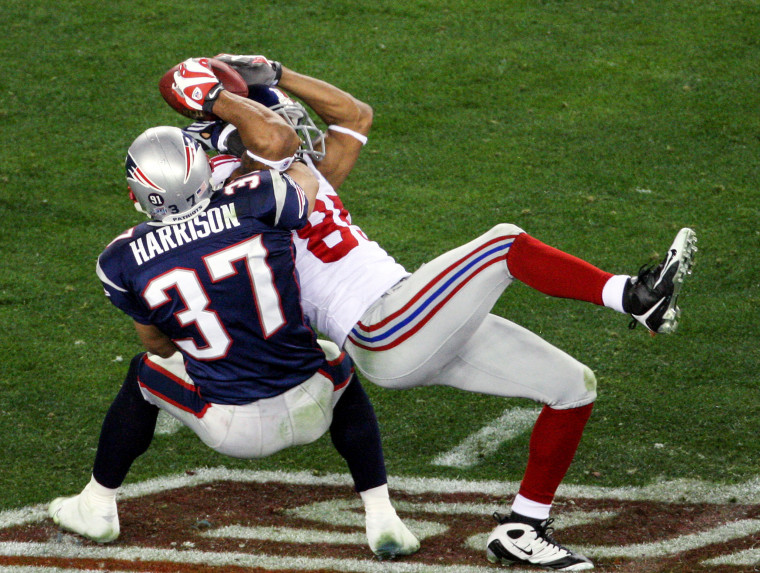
(523, 550)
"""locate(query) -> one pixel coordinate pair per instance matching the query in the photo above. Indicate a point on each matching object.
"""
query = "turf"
(600, 127)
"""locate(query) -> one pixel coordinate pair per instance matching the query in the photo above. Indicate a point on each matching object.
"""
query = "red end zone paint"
(234, 521)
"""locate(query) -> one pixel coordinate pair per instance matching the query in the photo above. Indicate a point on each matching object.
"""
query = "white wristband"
(355, 134)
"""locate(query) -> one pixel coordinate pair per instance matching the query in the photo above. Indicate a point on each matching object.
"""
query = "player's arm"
(348, 119)
(338, 109)
(264, 133)
(307, 181)
(155, 341)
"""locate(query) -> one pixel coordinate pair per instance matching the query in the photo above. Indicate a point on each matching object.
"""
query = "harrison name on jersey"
(212, 220)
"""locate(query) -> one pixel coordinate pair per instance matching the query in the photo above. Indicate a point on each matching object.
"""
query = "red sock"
(553, 443)
(554, 272)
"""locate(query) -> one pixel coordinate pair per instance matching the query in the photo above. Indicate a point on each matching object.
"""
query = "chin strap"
(281, 165)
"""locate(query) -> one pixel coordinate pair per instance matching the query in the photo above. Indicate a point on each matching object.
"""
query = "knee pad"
(503, 229)
(580, 393)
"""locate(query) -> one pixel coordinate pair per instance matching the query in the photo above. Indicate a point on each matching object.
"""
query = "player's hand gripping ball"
(200, 77)
(256, 70)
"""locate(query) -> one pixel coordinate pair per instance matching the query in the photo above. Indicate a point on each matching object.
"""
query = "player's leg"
(421, 324)
(356, 436)
(125, 435)
(502, 358)
(524, 536)
(505, 359)
(650, 297)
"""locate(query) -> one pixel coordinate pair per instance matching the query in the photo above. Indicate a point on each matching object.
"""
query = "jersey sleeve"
(115, 288)
(292, 216)
(275, 199)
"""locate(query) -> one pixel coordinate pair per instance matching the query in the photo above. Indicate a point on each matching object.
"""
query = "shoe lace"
(547, 531)
(544, 530)
(645, 271)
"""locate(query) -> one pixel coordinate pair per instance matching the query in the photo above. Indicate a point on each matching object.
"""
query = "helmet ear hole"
(168, 174)
(134, 200)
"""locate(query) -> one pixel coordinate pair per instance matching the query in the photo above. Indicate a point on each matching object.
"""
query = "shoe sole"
(685, 245)
(491, 555)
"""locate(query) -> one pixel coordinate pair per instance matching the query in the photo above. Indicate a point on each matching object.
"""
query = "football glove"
(196, 85)
(205, 132)
(217, 136)
(255, 70)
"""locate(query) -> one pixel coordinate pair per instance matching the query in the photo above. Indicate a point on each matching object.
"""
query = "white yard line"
(486, 441)
(270, 562)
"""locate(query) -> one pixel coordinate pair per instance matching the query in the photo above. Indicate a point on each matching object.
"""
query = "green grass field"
(600, 127)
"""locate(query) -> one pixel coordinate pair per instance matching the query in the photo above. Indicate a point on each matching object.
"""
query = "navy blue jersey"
(223, 287)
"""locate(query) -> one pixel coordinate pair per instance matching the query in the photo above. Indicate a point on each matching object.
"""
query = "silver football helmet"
(168, 174)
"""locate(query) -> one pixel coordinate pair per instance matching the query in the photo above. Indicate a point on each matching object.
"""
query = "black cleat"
(651, 296)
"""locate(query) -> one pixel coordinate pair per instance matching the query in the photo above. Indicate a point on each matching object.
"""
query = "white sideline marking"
(139, 554)
(343, 512)
(486, 441)
(288, 535)
(746, 557)
(720, 534)
(167, 424)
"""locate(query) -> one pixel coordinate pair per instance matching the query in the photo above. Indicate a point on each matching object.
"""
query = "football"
(231, 80)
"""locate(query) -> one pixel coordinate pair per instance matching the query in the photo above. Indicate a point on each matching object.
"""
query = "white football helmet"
(168, 175)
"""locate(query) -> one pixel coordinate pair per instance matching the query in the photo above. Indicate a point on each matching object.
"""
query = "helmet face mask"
(295, 114)
(169, 175)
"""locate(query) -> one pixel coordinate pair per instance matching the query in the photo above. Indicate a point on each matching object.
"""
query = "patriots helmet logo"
(134, 173)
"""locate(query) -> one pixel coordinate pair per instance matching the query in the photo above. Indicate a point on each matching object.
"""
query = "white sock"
(529, 508)
(99, 493)
(612, 293)
(377, 499)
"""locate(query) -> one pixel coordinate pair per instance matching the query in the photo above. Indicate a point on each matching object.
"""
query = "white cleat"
(93, 519)
(513, 542)
(388, 537)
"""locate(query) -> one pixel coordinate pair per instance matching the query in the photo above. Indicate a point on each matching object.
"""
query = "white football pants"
(434, 328)
(298, 416)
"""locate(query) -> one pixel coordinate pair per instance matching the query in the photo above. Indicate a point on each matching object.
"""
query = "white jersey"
(342, 273)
